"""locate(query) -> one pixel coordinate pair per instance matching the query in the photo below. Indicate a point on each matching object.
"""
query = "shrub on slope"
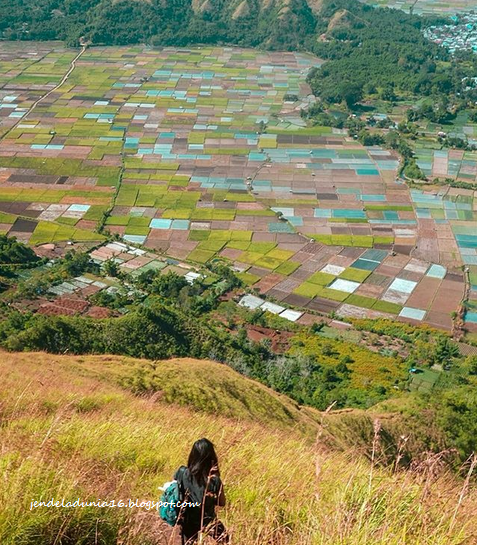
(156, 331)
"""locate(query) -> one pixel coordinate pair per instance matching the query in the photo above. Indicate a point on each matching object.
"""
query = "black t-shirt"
(195, 493)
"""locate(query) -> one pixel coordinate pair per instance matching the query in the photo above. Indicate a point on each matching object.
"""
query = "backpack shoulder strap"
(214, 484)
(179, 477)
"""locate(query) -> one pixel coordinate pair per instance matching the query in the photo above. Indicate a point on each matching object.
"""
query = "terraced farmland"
(201, 154)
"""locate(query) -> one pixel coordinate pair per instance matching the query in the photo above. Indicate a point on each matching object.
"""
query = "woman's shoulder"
(180, 472)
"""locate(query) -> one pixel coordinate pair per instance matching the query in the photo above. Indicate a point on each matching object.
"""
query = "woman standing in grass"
(201, 484)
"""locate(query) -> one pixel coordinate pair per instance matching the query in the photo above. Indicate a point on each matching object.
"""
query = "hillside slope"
(69, 431)
(201, 385)
(178, 22)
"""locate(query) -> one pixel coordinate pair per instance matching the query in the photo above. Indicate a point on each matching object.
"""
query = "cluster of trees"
(196, 298)
(169, 22)
(45, 19)
(392, 139)
(13, 252)
(40, 281)
(316, 114)
(14, 255)
(437, 111)
(457, 143)
(455, 183)
(154, 331)
(456, 415)
(383, 54)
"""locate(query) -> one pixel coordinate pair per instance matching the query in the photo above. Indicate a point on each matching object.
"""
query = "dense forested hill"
(279, 24)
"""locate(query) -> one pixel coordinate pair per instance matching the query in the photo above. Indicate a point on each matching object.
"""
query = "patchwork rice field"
(201, 154)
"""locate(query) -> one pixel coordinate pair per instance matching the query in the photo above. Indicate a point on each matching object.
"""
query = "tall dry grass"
(67, 434)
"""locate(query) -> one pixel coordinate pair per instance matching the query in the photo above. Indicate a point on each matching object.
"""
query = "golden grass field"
(68, 430)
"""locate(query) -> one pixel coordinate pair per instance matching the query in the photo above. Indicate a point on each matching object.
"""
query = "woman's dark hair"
(202, 459)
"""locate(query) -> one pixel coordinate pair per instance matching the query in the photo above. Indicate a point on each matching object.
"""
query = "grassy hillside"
(203, 385)
(69, 431)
